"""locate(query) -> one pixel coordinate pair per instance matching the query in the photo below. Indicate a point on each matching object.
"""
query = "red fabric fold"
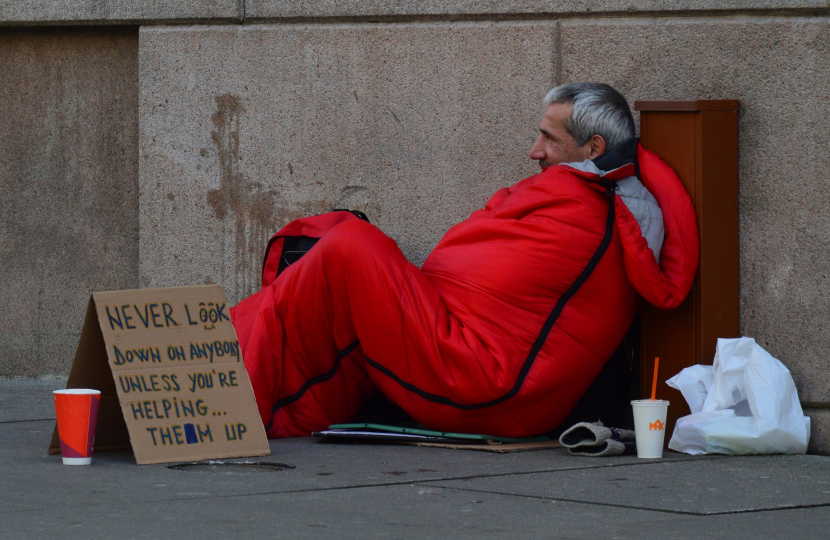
(664, 285)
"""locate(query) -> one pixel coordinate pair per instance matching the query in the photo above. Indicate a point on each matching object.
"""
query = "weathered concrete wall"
(243, 129)
(69, 184)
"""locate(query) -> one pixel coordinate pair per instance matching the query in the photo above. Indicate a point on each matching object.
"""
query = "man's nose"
(538, 150)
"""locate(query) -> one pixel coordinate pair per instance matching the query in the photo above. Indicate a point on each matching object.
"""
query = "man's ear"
(597, 146)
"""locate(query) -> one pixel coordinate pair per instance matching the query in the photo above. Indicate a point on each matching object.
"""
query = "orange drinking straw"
(654, 380)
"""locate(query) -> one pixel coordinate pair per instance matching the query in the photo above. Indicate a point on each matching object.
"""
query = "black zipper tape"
(323, 377)
(543, 334)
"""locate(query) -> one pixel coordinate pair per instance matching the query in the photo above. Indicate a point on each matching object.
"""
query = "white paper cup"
(650, 426)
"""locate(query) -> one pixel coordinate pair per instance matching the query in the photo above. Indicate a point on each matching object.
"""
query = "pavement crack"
(24, 421)
(634, 507)
(424, 481)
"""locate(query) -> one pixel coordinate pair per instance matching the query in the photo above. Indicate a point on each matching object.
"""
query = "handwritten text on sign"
(178, 370)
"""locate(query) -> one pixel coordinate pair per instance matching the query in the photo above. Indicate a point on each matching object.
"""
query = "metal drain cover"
(221, 466)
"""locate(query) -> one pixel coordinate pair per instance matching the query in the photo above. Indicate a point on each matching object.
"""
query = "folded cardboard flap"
(91, 369)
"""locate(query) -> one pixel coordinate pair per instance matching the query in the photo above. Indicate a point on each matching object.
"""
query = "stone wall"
(243, 114)
(69, 184)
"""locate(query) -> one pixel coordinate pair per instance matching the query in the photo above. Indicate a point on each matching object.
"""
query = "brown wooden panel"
(669, 335)
(697, 105)
(717, 209)
(699, 140)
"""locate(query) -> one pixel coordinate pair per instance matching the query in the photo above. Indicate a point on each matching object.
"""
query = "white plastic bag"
(745, 403)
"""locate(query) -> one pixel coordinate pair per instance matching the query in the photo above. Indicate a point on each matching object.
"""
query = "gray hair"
(598, 109)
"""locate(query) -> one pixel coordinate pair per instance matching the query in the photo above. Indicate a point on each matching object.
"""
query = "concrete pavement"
(309, 489)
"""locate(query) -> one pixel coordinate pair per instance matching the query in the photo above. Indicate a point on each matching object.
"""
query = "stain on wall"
(240, 203)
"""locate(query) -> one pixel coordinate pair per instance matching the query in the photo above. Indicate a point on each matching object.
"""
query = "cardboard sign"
(170, 372)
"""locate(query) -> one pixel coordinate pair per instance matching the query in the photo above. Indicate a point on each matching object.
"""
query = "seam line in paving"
(24, 421)
(633, 507)
(428, 482)
(407, 482)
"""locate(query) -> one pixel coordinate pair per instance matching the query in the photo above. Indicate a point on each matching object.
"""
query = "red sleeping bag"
(501, 331)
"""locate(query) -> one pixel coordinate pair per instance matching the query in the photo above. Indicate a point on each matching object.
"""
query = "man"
(581, 121)
(512, 315)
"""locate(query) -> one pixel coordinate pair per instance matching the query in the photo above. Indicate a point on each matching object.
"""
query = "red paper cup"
(77, 411)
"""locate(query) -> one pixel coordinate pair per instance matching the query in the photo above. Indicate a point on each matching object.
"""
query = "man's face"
(554, 144)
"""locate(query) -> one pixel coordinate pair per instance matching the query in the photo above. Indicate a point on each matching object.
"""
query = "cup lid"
(85, 391)
(647, 402)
